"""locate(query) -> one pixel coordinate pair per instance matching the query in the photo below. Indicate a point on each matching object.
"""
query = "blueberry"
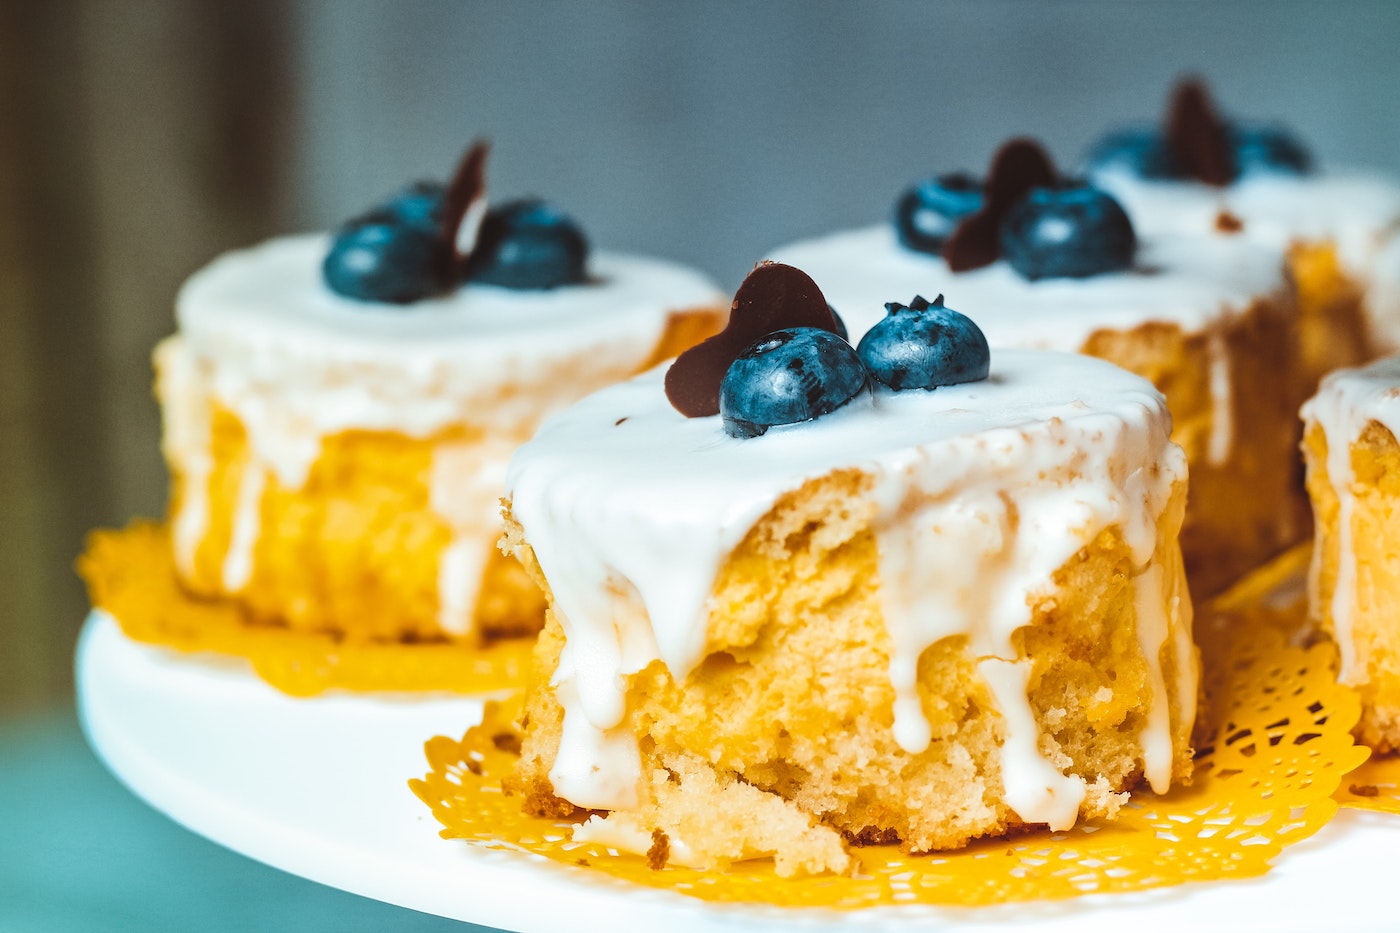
(528, 245)
(1067, 232)
(420, 206)
(1260, 148)
(378, 260)
(1140, 150)
(790, 375)
(926, 215)
(924, 346)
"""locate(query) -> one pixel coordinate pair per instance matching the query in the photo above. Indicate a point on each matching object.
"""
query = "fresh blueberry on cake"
(529, 245)
(791, 375)
(924, 345)
(1067, 232)
(927, 214)
(376, 259)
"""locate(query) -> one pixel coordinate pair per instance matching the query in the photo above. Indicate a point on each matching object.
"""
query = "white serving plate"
(318, 787)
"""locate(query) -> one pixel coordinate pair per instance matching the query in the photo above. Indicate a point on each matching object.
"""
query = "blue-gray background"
(138, 140)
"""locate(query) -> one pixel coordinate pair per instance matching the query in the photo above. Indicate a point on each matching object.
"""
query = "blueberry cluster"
(1253, 148)
(1070, 230)
(401, 251)
(800, 373)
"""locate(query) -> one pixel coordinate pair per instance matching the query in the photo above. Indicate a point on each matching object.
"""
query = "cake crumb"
(507, 742)
(660, 851)
(1226, 222)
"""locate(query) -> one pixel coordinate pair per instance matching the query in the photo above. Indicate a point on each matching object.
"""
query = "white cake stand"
(318, 787)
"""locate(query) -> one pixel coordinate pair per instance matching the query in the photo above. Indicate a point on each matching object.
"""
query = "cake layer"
(1210, 322)
(338, 464)
(908, 595)
(1354, 587)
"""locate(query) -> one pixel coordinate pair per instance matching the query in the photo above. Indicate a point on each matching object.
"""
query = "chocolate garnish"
(1226, 222)
(1017, 167)
(1198, 139)
(464, 206)
(773, 297)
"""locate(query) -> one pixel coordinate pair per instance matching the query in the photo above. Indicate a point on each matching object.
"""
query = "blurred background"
(140, 139)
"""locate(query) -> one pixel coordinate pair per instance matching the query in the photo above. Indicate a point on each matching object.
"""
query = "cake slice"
(339, 410)
(922, 616)
(1353, 462)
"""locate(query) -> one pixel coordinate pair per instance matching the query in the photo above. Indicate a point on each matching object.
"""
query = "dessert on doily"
(1205, 176)
(886, 595)
(1353, 462)
(1056, 264)
(339, 409)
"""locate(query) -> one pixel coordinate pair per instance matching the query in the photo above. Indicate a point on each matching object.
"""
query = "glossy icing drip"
(186, 441)
(1222, 395)
(238, 562)
(631, 509)
(1346, 402)
(1035, 789)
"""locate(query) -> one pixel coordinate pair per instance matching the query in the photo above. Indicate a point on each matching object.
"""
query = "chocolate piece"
(774, 296)
(1198, 139)
(1018, 166)
(464, 206)
(1226, 222)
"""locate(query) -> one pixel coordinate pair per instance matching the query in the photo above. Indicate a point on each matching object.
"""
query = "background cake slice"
(339, 411)
(1353, 463)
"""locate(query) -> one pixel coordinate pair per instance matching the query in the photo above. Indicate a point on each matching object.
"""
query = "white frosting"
(262, 336)
(1346, 402)
(1188, 281)
(631, 509)
(1383, 298)
(1355, 211)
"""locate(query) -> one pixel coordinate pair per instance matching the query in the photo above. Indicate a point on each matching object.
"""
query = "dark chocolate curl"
(1017, 167)
(465, 202)
(1198, 139)
(773, 297)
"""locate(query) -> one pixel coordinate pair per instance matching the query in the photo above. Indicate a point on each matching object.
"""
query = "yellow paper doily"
(1276, 597)
(1277, 746)
(131, 575)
